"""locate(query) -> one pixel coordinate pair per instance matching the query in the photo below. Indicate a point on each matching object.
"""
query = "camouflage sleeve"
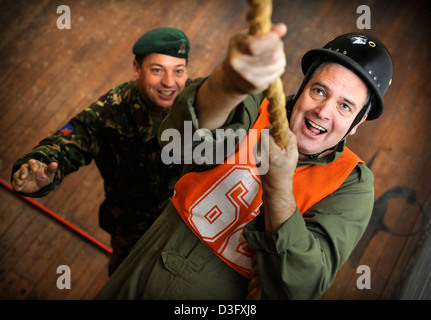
(72, 146)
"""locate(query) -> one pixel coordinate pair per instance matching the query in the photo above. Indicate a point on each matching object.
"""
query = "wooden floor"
(47, 75)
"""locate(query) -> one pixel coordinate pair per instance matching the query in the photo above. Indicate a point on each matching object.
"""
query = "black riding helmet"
(363, 54)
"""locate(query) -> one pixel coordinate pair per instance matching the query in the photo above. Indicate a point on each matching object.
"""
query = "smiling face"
(161, 78)
(326, 109)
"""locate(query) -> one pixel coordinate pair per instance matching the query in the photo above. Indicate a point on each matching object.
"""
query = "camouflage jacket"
(120, 133)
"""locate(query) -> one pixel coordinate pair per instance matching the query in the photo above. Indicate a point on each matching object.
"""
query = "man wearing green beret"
(119, 132)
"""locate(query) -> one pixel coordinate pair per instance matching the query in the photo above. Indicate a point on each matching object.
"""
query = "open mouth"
(314, 127)
(167, 93)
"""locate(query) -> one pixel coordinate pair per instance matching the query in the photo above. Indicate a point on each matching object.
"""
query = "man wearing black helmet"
(305, 215)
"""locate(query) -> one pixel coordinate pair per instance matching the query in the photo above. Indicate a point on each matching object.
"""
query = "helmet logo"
(372, 44)
(358, 39)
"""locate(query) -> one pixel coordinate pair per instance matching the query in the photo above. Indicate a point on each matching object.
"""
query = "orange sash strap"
(216, 204)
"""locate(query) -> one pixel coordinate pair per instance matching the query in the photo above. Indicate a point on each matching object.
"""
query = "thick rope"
(259, 18)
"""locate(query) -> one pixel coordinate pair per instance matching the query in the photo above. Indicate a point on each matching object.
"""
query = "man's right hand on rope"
(277, 184)
(252, 64)
(33, 176)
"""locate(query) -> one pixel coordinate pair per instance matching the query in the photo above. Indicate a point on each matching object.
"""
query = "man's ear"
(136, 68)
(353, 131)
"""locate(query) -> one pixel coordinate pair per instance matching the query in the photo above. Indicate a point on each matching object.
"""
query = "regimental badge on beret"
(182, 49)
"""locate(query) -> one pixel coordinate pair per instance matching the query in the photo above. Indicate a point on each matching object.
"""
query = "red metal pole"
(58, 218)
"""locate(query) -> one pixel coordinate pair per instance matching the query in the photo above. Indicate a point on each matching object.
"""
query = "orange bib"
(216, 204)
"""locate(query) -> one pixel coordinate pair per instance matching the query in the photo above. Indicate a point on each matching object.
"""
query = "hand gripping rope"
(259, 18)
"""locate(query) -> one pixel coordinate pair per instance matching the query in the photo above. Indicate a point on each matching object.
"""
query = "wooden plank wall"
(47, 75)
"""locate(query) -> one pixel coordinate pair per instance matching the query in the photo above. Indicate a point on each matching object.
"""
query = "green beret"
(169, 41)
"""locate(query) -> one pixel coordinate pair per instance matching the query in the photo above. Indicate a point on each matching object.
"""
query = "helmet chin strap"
(316, 155)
